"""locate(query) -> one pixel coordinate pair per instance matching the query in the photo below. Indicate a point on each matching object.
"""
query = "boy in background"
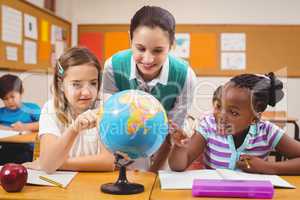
(17, 116)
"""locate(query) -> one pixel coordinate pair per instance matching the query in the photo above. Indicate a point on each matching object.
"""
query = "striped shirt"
(220, 151)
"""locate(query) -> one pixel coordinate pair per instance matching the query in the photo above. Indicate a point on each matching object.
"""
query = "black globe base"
(123, 188)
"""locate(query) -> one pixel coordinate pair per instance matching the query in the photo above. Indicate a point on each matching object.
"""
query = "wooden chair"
(36, 151)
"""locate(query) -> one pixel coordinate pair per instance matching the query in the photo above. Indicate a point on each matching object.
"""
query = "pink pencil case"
(232, 188)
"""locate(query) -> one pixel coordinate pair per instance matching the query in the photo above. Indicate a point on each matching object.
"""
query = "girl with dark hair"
(69, 138)
(148, 66)
(235, 137)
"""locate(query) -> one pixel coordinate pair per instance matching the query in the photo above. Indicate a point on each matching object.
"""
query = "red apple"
(13, 177)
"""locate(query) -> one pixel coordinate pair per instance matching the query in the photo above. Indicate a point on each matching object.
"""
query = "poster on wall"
(182, 45)
(233, 42)
(30, 26)
(11, 25)
(233, 61)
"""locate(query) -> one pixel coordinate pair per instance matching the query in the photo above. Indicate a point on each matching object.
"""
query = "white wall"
(185, 12)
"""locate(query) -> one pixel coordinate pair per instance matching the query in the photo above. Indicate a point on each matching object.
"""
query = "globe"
(133, 122)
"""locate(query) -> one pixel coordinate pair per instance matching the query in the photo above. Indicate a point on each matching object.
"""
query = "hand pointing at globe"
(85, 120)
(178, 136)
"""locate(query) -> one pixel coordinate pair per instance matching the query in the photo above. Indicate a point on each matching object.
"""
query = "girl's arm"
(54, 150)
(100, 162)
(183, 155)
(286, 146)
(290, 148)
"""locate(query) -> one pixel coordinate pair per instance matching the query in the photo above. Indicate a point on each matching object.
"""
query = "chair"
(36, 151)
(281, 119)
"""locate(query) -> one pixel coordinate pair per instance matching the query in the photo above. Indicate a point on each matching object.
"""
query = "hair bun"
(275, 90)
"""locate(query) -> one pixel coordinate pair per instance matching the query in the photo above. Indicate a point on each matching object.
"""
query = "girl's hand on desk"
(253, 164)
(32, 165)
(178, 136)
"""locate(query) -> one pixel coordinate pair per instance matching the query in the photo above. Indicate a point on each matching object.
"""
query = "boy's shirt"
(27, 113)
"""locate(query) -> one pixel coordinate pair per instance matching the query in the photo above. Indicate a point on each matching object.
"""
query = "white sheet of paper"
(11, 53)
(276, 181)
(62, 177)
(182, 45)
(30, 26)
(233, 41)
(11, 25)
(233, 61)
(184, 180)
(30, 52)
(8, 133)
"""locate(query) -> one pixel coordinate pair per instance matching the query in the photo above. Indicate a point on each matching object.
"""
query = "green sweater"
(166, 94)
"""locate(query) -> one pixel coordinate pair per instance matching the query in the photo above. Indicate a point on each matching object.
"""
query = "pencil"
(51, 181)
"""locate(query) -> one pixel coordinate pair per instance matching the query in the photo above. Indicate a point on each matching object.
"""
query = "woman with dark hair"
(148, 66)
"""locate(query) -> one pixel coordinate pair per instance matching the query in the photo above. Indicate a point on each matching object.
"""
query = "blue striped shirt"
(220, 151)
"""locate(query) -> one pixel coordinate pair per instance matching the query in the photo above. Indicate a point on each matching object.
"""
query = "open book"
(61, 177)
(184, 180)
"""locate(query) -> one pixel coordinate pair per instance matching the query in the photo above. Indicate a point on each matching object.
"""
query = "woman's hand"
(86, 120)
(254, 164)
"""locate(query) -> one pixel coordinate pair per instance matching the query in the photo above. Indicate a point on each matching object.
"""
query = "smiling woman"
(149, 66)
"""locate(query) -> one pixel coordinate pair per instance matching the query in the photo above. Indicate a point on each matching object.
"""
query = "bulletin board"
(266, 47)
(31, 38)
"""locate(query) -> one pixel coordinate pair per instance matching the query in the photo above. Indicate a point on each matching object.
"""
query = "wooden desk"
(280, 194)
(85, 186)
(25, 138)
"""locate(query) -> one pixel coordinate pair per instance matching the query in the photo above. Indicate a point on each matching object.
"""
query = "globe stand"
(122, 186)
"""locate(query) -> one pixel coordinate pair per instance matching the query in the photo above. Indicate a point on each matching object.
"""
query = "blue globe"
(133, 122)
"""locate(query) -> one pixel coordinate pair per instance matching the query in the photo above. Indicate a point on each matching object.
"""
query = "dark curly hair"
(265, 89)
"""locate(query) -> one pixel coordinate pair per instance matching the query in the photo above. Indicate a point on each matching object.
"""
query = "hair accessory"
(60, 69)
(272, 100)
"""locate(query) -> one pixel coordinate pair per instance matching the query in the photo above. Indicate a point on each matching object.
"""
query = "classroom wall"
(195, 12)
(185, 12)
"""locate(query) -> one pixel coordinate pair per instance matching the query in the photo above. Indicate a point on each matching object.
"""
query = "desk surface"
(85, 186)
(280, 194)
(25, 138)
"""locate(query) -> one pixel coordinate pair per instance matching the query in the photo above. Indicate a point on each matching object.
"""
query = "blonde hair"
(72, 57)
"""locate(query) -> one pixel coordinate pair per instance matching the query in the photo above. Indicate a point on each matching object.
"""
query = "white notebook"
(184, 180)
(62, 177)
(8, 133)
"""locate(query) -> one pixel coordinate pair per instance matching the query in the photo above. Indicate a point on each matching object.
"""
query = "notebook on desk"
(184, 180)
(8, 133)
(61, 177)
